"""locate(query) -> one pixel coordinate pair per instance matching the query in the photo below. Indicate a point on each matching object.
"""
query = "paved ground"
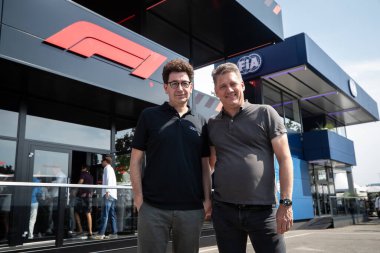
(352, 239)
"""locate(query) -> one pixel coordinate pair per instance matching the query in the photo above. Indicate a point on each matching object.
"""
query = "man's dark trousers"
(234, 223)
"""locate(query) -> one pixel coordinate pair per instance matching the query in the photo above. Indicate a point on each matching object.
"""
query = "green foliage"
(349, 194)
(123, 145)
(123, 154)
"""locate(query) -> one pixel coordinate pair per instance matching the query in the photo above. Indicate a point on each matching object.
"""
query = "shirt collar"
(167, 107)
(242, 108)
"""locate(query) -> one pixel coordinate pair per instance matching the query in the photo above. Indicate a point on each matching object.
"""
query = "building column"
(350, 181)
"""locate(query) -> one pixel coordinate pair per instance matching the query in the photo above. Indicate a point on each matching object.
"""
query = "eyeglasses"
(175, 84)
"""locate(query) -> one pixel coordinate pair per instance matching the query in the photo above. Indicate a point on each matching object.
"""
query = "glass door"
(322, 188)
(39, 211)
(47, 203)
(7, 171)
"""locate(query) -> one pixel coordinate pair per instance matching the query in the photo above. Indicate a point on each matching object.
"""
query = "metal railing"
(57, 207)
(347, 206)
(33, 184)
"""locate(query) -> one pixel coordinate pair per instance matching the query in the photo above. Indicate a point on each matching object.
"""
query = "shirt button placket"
(230, 125)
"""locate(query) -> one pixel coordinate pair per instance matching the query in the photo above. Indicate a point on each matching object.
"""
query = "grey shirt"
(244, 170)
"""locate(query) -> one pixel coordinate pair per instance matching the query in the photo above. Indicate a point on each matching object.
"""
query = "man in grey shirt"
(244, 138)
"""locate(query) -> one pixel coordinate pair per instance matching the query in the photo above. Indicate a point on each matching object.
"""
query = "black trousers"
(233, 224)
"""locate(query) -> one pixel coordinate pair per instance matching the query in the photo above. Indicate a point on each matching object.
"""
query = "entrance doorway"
(44, 212)
(322, 188)
(38, 210)
(76, 219)
(90, 159)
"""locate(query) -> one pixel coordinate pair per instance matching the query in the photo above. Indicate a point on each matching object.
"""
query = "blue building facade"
(317, 100)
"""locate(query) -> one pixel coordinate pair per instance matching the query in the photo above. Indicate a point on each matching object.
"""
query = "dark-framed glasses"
(175, 84)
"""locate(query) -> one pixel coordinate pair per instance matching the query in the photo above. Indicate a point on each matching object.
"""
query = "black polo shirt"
(174, 146)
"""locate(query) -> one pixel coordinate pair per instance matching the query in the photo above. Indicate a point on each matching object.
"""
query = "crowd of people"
(44, 205)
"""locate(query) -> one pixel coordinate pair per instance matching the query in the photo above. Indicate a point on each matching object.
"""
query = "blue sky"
(349, 32)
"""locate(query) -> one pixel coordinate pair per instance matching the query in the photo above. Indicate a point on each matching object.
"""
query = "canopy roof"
(203, 31)
(302, 69)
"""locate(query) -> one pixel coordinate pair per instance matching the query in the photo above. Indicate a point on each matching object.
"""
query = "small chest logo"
(195, 130)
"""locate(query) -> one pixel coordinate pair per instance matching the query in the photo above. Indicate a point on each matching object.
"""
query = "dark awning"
(203, 31)
(57, 97)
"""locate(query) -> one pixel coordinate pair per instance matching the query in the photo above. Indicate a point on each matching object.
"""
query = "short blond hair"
(226, 68)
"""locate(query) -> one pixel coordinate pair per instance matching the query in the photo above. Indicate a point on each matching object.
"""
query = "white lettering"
(240, 65)
(247, 64)
(254, 63)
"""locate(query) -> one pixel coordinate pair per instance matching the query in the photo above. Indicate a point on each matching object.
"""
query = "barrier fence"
(56, 211)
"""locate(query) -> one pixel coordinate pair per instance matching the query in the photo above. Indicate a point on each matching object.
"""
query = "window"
(292, 114)
(123, 155)
(7, 159)
(43, 129)
(286, 106)
(272, 96)
(7, 171)
(9, 122)
(51, 164)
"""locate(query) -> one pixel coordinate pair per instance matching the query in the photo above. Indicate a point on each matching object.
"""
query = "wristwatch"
(286, 202)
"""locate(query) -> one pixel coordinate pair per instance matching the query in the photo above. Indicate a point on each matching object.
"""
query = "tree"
(123, 154)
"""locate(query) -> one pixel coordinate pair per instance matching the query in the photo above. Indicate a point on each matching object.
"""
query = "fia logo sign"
(249, 63)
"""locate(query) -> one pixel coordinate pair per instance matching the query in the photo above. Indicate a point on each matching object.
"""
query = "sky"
(349, 32)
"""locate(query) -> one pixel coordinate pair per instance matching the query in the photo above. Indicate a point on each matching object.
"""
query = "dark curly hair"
(177, 65)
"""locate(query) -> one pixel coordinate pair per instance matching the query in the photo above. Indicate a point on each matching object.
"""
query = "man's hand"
(284, 219)
(207, 205)
(138, 201)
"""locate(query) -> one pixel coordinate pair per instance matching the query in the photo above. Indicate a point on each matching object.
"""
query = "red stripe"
(210, 102)
(198, 98)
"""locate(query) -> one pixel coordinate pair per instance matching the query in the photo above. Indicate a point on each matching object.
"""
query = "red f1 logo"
(87, 39)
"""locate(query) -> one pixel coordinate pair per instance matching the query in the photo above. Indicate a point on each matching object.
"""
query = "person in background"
(377, 205)
(174, 192)
(84, 201)
(71, 211)
(36, 194)
(244, 138)
(58, 178)
(109, 200)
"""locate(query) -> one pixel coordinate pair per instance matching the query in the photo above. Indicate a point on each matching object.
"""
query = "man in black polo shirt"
(244, 138)
(172, 193)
